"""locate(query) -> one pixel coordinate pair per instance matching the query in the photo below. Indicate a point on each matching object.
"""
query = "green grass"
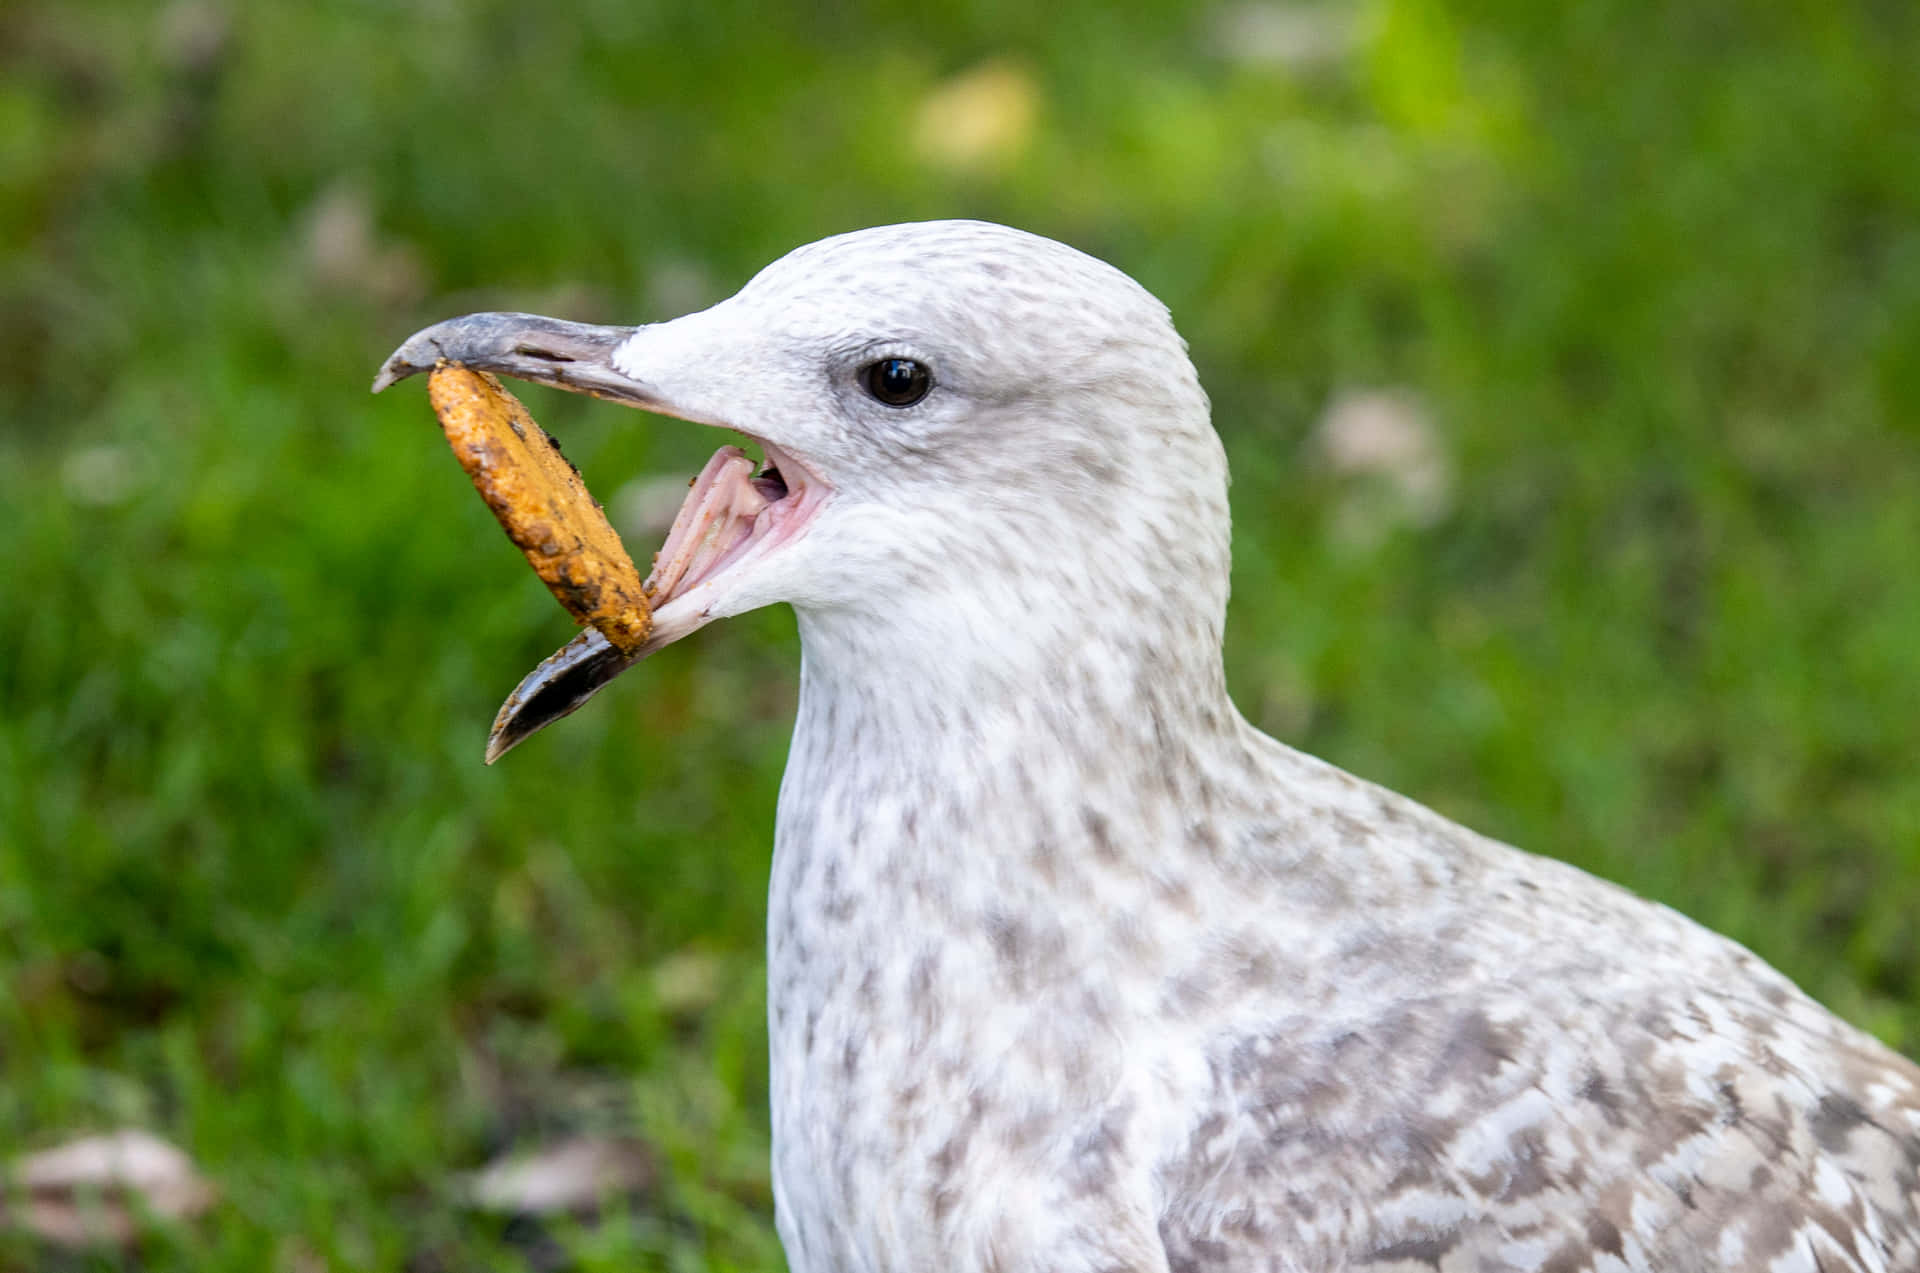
(1653, 269)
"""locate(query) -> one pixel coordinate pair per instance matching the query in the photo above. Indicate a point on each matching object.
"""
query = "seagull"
(1072, 969)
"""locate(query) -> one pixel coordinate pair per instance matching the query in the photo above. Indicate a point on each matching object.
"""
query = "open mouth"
(732, 520)
(731, 516)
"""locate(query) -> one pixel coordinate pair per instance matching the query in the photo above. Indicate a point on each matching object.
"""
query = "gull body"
(1070, 967)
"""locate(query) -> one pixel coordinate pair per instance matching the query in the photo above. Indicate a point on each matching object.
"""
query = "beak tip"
(562, 683)
(409, 360)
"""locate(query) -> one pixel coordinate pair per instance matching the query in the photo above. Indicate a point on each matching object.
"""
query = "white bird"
(1073, 970)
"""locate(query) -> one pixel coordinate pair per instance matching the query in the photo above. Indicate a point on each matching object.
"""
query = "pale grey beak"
(550, 351)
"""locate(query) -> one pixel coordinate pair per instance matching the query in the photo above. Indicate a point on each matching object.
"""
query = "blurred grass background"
(1631, 291)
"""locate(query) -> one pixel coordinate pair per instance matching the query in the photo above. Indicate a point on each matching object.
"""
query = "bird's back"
(1505, 1063)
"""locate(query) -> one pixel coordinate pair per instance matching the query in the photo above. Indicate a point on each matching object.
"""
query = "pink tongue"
(717, 515)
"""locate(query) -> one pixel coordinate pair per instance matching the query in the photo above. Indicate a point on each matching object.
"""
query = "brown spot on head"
(1033, 1128)
(1206, 793)
(1100, 833)
(1009, 936)
(1189, 994)
(1045, 857)
(1256, 967)
(1132, 938)
(906, 1102)
(1174, 892)
(943, 1199)
(1353, 831)
(922, 999)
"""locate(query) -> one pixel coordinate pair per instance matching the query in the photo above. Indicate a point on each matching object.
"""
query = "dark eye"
(898, 382)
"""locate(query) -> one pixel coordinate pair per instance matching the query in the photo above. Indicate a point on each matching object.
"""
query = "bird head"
(976, 439)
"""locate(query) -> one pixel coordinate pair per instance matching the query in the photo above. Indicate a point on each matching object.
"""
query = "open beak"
(731, 521)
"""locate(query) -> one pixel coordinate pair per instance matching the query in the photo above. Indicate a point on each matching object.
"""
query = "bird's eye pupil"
(898, 382)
